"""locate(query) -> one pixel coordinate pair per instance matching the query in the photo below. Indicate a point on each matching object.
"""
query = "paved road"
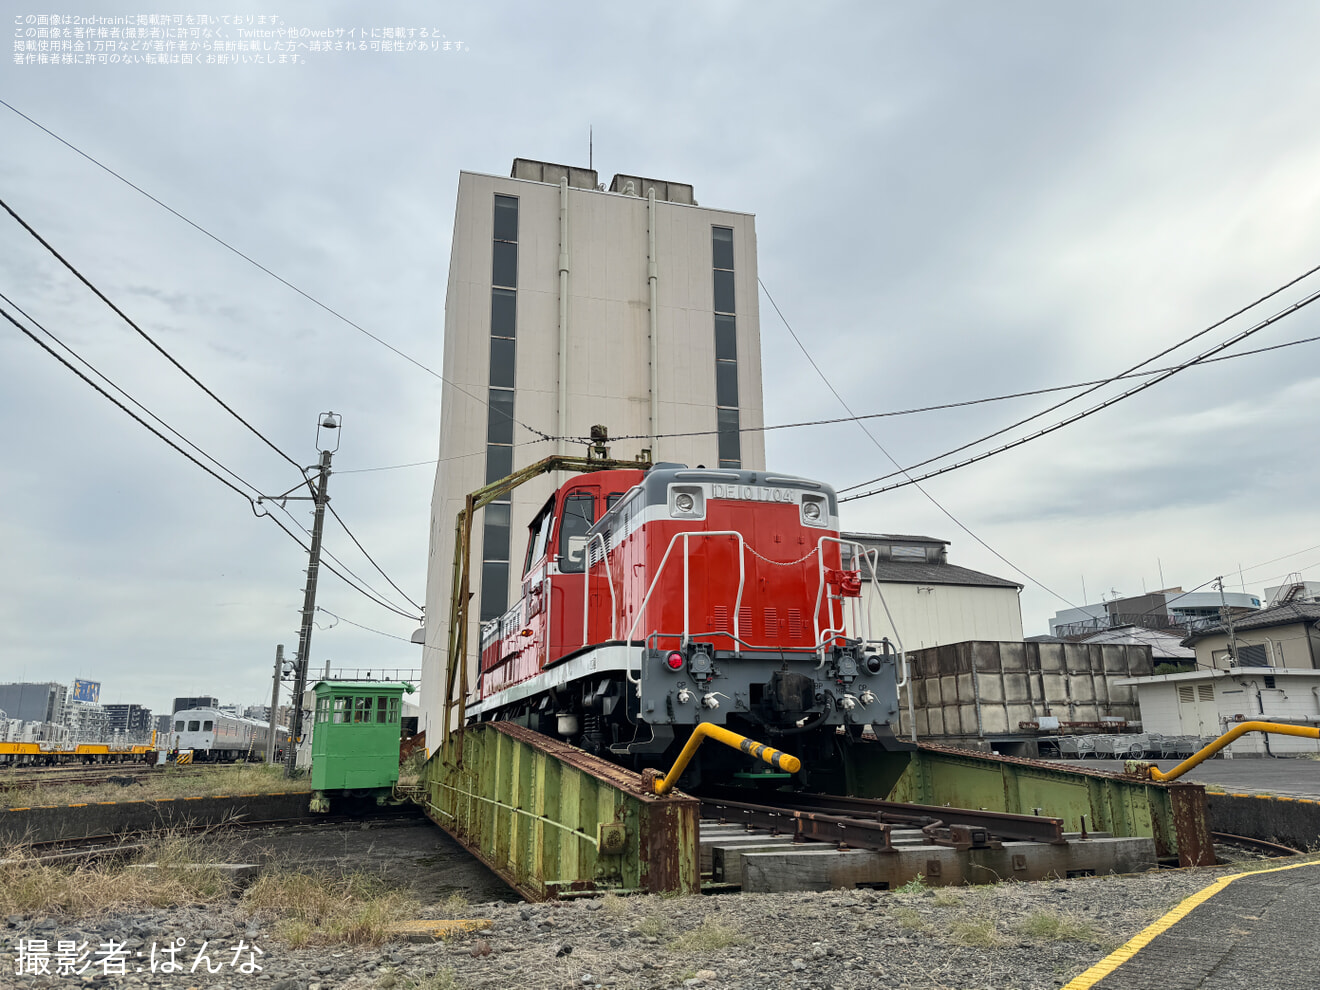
(1289, 777)
(1255, 931)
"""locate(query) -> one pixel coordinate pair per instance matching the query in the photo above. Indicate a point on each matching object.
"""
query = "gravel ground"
(997, 938)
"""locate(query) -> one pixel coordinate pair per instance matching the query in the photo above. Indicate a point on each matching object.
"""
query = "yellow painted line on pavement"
(1147, 935)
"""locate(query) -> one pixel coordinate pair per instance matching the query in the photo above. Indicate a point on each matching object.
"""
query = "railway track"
(11, 780)
(118, 846)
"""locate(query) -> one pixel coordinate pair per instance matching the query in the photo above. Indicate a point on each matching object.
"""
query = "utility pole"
(1227, 616)
(274, 705)
(330, 423)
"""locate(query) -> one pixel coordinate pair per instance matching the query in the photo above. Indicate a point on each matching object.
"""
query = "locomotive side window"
(194, 726)
(178, 726)
(579, 514)
(538, 535)
(208, 726)
(612, 499)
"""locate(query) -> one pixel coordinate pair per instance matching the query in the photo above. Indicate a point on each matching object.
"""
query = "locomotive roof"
(657, 480)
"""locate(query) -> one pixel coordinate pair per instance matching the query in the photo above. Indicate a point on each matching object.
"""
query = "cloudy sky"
(953, 200)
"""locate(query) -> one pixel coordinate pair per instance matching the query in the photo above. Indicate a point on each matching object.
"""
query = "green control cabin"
(355, 739)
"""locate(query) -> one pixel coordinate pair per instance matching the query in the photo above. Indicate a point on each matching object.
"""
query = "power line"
(118, 388)
(862, 426)
(359, 545)
(362, 586)
(178, 449)
(1108, 381)
(936, 408)
(252, 261)
(146, 336)
(910, 480)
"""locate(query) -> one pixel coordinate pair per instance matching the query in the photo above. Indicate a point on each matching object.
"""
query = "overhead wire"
(1161, 376)
(191, 377)
(540, 435)
(370, 558)
(118, 388)
(146, 336)
(252, 502)
(935, 408)
(862, 426)
(911, 480)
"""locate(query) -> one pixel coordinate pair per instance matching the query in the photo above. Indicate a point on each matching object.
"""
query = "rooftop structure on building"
(1293, 590)
(569, 305)
(131, 720)
(1168, 608)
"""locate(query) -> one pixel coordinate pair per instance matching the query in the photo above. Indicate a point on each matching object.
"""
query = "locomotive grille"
(721, 621)
(794, 624)
(745, 622)
(771, 623)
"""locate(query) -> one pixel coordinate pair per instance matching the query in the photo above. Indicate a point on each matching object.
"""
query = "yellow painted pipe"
(778, 760)
(1242, 728)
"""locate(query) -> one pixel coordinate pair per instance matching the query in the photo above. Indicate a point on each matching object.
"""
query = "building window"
(499, 417)
(726, 348)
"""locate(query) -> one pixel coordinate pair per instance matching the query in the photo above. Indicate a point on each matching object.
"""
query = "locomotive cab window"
(194, 726)
(178, 726)
(579, 514)
(538, 534)
(208, 726)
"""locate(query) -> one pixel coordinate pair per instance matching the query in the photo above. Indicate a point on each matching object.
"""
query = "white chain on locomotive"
(652, 602)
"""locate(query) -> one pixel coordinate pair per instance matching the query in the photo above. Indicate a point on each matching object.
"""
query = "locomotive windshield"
(579, 514)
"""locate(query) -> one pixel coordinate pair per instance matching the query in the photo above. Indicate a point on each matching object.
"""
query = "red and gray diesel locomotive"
(652, 601)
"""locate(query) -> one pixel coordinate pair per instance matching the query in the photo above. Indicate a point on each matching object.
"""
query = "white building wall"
(608, 342)
(1220, 701)
(932, 615)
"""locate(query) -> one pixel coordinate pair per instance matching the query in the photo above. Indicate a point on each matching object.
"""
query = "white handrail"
(586, 583)
(737, 606)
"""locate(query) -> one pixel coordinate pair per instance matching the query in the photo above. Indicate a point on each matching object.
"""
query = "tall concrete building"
(571, 305)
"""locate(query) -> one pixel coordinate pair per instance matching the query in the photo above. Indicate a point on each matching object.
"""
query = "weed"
(976, 932)
(914, 886)
(911, 919)
(946, 898)
(1052, 927)
(655, 925)
(710, 936)
(614, 907)
(356, 910)
(172, 782)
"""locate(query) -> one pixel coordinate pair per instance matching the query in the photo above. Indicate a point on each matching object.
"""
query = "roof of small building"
(1164, 645)
(918, 572)
(891, 537)
(1279, 615)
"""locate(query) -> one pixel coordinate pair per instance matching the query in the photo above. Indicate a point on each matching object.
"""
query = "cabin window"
(612, 499)
(342, 710)
(194, 726)
(394, 709)
(178, 726)
(323, 709)
(382, 706)
(362, 709)
(579, 514)
(208, 726)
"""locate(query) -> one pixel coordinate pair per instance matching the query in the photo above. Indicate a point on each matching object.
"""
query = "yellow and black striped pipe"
(777, 759)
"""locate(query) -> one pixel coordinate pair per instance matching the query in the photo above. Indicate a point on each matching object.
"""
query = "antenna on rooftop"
(590, 144)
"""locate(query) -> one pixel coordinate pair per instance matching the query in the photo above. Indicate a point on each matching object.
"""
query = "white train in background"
(217, 737)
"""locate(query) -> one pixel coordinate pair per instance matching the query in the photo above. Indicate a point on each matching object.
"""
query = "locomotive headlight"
(815, 511)
(684, 502)
(874, 662)
(674, 661)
